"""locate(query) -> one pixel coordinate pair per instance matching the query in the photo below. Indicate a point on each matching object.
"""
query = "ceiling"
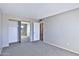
(36, 10)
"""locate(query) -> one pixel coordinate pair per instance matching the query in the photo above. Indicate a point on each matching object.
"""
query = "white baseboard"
(0, 50)
(3, 47)
(7, 45)
(35, 41)
(62, 47)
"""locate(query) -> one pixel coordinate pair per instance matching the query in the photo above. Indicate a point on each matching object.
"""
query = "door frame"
(41, 30)
(19, 30)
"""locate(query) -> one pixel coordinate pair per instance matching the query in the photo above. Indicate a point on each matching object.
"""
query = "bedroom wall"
(62, 30)
(0, 31)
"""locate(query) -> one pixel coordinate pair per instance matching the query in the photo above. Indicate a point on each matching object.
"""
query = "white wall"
(36, 32)
(28, 29)
(31, 31)
(5, 40)
(3, 31)
(0, 32)
(13, 31)
(62, 30)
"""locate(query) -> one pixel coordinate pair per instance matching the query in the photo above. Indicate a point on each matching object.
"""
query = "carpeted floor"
(35, 49)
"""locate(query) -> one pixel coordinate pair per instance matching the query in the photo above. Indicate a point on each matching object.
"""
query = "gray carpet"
(35, 49)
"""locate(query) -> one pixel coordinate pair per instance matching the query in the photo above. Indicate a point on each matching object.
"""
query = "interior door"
(41, 31)
(36, 31)
(13, 31)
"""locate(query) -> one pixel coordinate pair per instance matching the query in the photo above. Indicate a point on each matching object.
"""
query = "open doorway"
(25, 31)
(42, 29)
(19, 31)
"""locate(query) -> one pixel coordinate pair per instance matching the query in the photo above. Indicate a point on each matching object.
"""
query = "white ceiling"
(36, 10)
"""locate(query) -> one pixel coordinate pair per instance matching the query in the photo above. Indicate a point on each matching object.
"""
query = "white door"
(13, 31)
(36, 31)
